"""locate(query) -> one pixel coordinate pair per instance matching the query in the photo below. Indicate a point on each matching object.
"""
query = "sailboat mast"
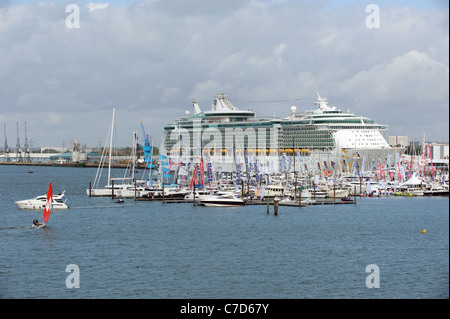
(180, 152)
(110, 146)
(133, 155)
(151, 161)
(423, 164)
(5, 147)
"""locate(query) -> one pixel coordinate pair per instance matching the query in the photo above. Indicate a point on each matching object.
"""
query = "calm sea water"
(155, 250)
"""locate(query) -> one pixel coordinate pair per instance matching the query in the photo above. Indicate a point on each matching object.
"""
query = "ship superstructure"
(225, 133)
(343, 130)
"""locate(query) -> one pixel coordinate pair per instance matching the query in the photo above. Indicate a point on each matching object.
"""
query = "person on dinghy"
(36, 223)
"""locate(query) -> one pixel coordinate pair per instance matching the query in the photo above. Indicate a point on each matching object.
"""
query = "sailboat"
(47, 209)
(125, 190)
(107, 190)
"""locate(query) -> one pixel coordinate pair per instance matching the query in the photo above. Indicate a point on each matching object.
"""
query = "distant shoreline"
(113, 165)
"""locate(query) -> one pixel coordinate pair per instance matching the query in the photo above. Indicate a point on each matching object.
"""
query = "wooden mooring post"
(275, 206)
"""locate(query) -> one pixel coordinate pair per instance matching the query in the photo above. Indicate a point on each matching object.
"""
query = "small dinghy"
(47, 209)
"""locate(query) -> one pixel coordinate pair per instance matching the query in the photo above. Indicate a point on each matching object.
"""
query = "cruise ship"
(225, 135)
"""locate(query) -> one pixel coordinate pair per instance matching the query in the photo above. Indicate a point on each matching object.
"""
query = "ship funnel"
(196, 108)
(322, 102)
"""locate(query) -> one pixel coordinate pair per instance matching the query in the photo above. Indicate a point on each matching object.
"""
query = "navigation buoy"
(424, 231)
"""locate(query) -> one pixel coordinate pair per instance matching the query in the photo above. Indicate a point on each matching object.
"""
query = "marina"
(318, 155)
(231, 222)
(179, 222)
(250, 169)
(250, 161)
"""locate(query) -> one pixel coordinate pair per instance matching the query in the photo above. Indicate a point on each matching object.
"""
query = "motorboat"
(38, 202)
(304, 193)
(200, 194)
(437, 190)
(272, 191)
(356, 187)
(308, 201)
(222, 199)
(415, 191)
(338, 192)
(170, 193)
(319, 192)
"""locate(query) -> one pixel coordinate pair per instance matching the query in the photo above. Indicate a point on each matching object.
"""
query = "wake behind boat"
(39, 202)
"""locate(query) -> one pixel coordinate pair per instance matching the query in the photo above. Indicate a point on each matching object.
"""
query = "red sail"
(201, 171)
(194, 178)
(48, 204)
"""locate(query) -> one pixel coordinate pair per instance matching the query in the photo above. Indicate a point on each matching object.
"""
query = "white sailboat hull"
(99, 192)
(125, 191)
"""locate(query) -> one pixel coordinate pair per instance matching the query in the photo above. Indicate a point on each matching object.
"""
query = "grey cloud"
(158, 55)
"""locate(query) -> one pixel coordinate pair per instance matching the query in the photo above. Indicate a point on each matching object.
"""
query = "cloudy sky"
(150, 58)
